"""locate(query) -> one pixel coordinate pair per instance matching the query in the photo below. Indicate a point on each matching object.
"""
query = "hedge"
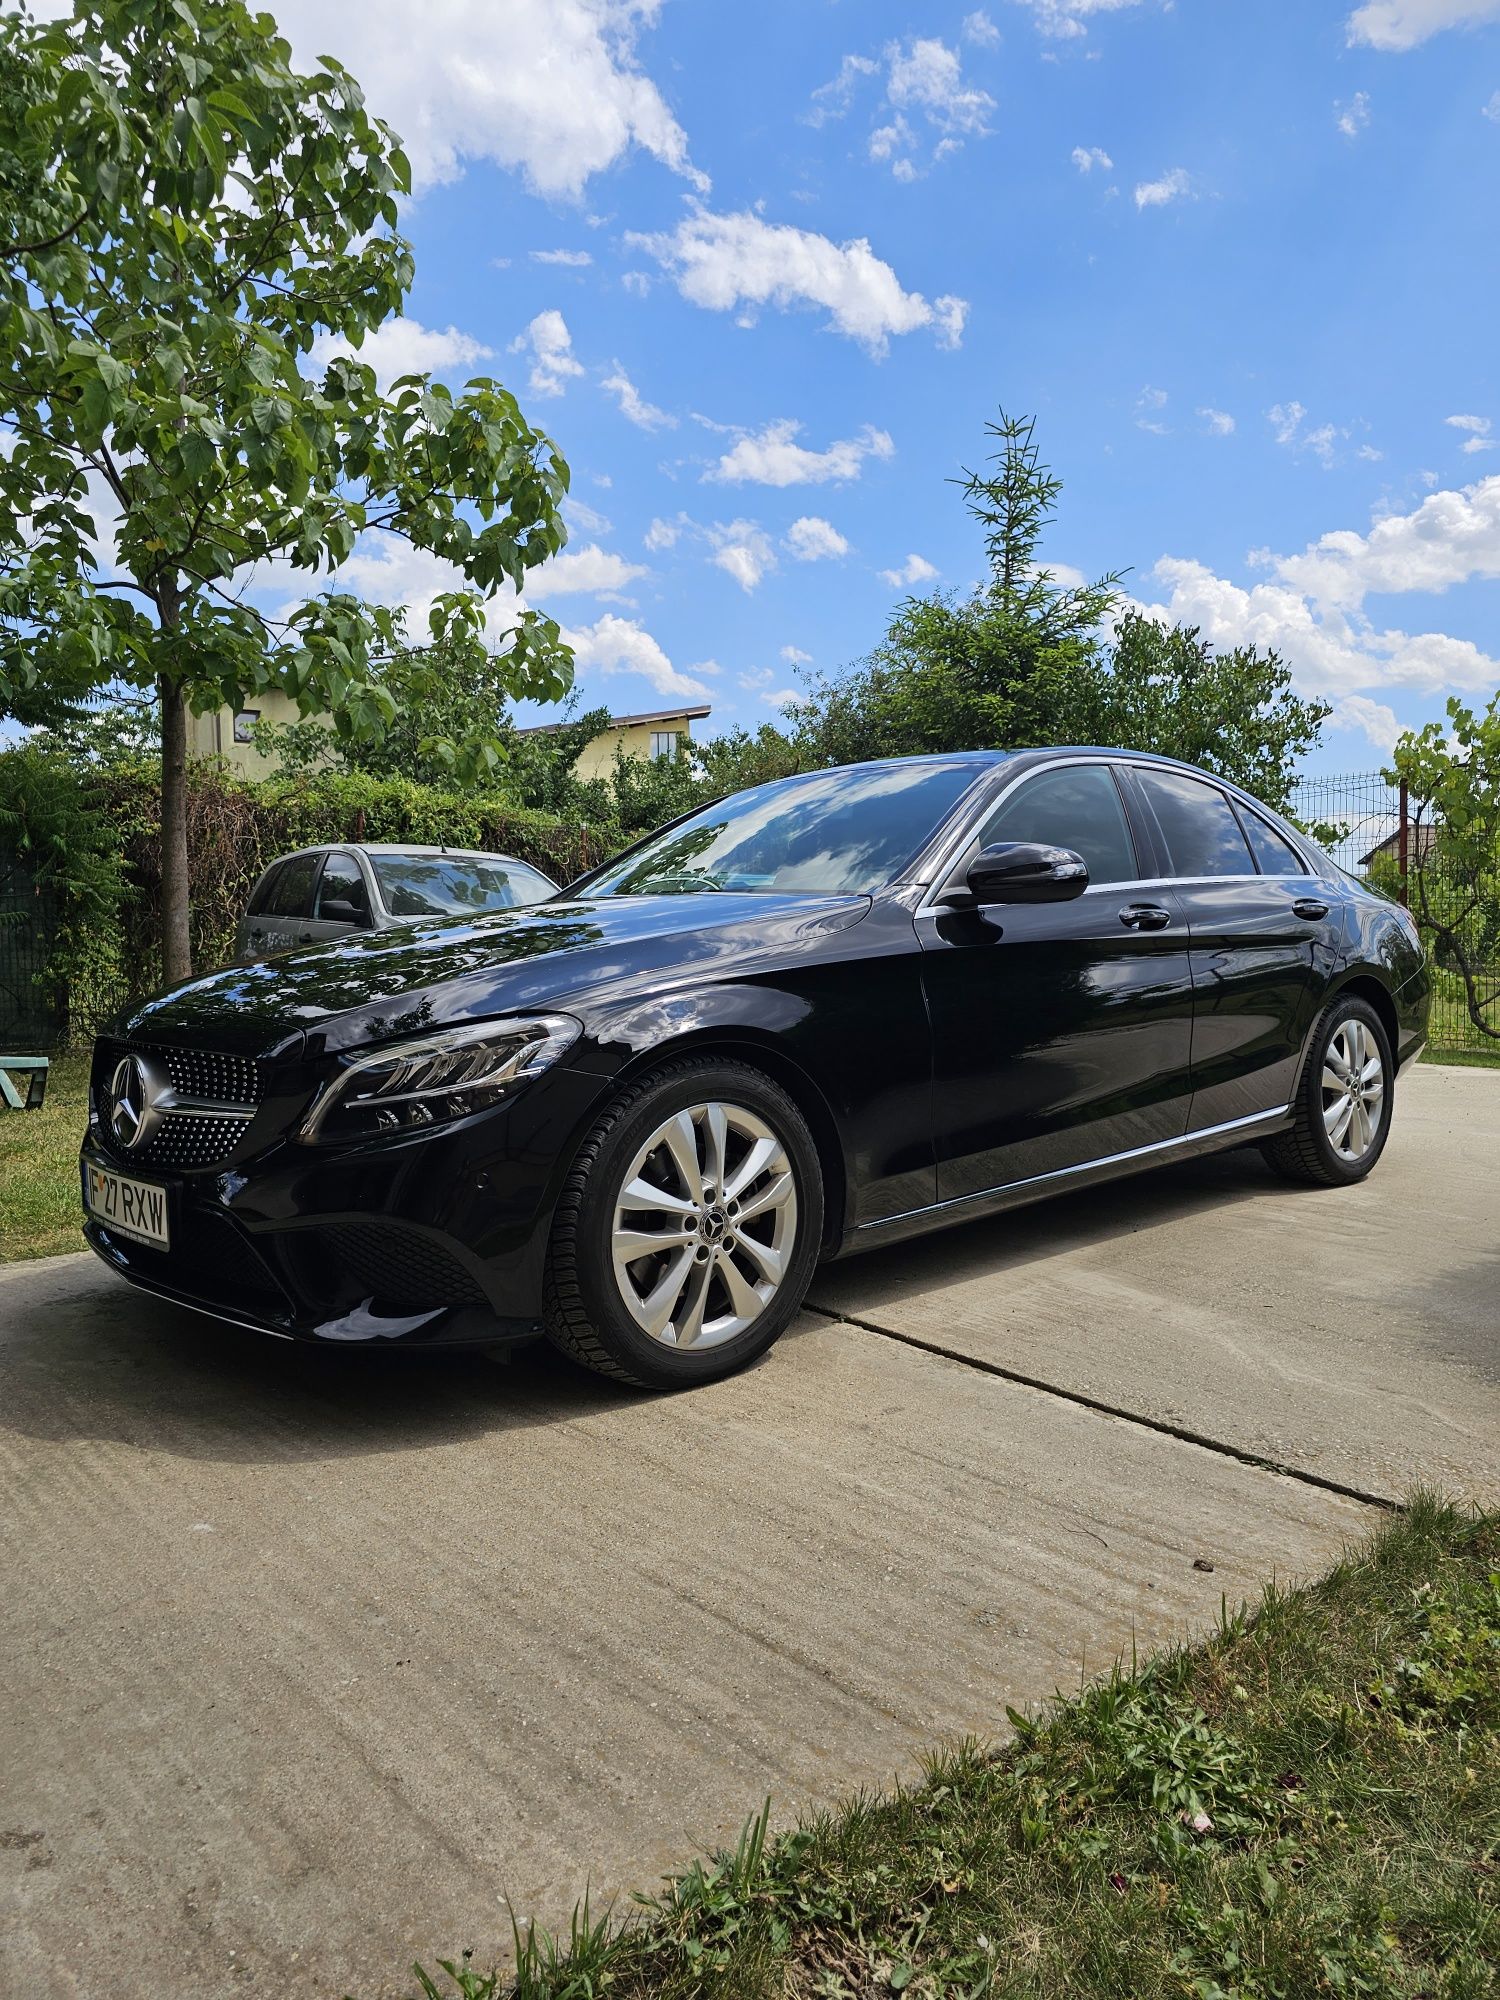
(236, 828)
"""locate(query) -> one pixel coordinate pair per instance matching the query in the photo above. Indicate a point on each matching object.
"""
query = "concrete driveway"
(310, 1661)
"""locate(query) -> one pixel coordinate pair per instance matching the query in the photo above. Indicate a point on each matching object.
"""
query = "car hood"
(379, 984)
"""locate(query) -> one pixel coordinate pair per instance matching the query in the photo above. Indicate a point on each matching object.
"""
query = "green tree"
(1452, 777)
(185, 214)
(1166, 689)
(1016, 662)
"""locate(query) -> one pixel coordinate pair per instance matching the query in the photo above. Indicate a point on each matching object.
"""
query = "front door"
(1061, 1031)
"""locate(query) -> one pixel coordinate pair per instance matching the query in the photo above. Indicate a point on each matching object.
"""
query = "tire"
(1339, 1135)
(733, 1242)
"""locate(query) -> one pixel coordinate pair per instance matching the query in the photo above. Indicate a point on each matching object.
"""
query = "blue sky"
(764, 272)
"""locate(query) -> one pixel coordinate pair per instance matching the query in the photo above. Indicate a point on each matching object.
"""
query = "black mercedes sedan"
(814, 1017)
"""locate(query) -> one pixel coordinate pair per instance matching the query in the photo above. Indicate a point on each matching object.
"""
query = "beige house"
(223, 733)
(656, 734)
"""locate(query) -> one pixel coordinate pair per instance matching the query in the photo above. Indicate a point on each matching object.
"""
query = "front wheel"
(1344, 1102)
(687, 1231)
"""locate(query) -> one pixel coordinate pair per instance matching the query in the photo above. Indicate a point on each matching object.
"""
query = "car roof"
(405, 847)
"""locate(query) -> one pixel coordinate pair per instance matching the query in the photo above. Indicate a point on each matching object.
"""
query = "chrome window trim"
(1087, 1166)
(948, 854)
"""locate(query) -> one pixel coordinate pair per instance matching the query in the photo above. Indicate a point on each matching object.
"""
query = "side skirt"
(1017, 1194)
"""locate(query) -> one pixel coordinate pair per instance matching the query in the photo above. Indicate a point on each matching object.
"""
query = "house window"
(244, 725)
(664, 743)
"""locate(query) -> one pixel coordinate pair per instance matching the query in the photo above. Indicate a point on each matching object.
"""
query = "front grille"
(183, 1143)
(190, 1137)
(397, 1266)
(214, 1078)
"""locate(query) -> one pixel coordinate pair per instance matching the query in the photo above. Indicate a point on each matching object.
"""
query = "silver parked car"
(328, 892)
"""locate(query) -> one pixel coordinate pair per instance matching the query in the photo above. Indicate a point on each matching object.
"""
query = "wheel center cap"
(711, 1224)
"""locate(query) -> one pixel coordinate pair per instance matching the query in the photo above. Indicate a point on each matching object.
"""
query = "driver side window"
(1078, 807)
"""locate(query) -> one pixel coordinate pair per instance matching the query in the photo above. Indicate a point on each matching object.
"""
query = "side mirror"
(1025, 871)
(335, 910)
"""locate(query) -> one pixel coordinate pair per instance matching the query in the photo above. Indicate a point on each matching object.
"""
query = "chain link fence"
(1369, 828)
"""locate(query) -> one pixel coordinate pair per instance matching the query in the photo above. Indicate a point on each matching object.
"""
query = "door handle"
(1145, 917)
(1309, 909)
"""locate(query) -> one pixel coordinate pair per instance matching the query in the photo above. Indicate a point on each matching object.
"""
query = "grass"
(1468, 1058)
(39, 1201)
(1309, 1804)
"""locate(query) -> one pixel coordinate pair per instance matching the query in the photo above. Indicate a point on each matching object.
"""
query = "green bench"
(34, 1069)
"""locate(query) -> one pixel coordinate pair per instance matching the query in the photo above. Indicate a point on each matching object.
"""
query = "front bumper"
(435, 1240)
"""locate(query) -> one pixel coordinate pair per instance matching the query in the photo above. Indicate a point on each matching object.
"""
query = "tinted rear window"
(1275, 855)
(1202, 834)
(265, 889)
(291, 894)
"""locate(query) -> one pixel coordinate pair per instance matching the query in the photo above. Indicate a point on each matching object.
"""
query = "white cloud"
(573, 260)
(783, 697)
(664, 534)
(551, 348)
(1216, 423)
(1353, 117)
(1286, 421)
(1396, 25)
(588, 518)
(772, 457)
(1371, 719)
(1146, 403)
(1313, 607)
(1064, 20)
(618, 645)
(553, 91)
(1370, 452)
(405, 347)
(742, 550)
(927, 76)
(923, 77)
(812, 538)
(1491, 109)
(832, 100)
(1086, 158)
(723, 262)
(589, 571)
(979, 29)
(916, 569)
(1479, 438)
(633, 405)
(795, 657)
(638, 282)
(1174, 185)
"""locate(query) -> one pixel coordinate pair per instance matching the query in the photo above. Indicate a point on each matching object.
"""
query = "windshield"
(455, 885)
(829, 833)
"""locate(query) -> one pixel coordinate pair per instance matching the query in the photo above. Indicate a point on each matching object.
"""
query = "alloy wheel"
(704, 1226)
(1353, 1089)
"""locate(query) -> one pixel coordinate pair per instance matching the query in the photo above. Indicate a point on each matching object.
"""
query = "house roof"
(1419, 841)
(627, 721)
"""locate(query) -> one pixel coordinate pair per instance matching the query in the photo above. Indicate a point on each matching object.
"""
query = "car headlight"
(409, 1086)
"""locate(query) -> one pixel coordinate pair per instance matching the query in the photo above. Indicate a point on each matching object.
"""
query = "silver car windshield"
(448, 885)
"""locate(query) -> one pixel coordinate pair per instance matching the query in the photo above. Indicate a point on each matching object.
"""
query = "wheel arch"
(757, 1052)
(1360, 983)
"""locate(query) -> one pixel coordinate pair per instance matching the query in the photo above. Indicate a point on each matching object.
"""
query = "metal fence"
(31, 1016)
(1371, 828)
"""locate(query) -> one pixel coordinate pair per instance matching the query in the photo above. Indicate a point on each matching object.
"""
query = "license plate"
(137, 1209)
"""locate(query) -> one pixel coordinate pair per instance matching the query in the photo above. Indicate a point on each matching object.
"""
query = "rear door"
(1061, 1031)
(1265, 935)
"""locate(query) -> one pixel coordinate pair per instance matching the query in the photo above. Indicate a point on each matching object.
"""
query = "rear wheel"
(688, 1229)
(1344, 1102)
